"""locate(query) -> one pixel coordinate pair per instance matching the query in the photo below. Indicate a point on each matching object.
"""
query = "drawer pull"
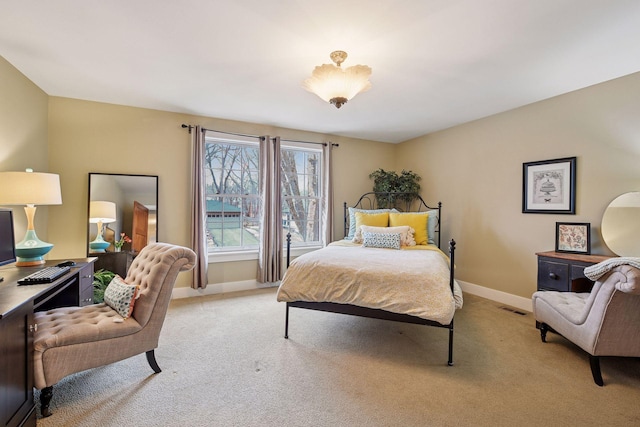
(553, 276)
(33, 328)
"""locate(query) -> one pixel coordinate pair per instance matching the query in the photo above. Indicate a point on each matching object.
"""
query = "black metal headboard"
(403, 202)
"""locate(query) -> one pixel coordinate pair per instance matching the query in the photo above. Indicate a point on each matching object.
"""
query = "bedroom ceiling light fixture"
(338, 85)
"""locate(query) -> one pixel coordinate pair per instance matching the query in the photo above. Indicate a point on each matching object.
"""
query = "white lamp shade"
(30, 188)
(100, 211)
(328, 81)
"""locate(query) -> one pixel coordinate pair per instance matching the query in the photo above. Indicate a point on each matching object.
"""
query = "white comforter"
(412, 281)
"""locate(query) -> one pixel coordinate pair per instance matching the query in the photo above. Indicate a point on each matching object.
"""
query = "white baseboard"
(220, 288)
(245, 285)
(498, 296)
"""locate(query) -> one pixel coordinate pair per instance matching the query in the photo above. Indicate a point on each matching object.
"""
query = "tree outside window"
(301, 194)
(233, 194)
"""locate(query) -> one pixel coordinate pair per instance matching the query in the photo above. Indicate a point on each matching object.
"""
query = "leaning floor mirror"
(120, 203)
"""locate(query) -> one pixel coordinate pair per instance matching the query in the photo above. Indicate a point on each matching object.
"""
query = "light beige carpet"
(225, 363)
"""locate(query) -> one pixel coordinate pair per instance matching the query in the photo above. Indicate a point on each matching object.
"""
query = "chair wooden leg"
(151, 358)
(46, 394)
(543, 332)
(594, 361)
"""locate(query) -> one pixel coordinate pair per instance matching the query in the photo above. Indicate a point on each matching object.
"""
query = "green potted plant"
(390, 182)
(101, 280)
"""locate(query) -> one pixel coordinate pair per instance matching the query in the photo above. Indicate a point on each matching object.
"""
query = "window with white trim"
(233, 200)
(301, 181)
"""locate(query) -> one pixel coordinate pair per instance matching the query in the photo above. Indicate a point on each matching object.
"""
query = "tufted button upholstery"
(73, 339)
(73, 325)
(569, 305)
(604, 322)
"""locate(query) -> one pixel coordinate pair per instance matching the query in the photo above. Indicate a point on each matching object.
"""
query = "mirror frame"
(97, 174)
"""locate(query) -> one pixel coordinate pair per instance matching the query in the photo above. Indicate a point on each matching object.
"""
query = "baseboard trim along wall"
(498, 296)
(219, 288)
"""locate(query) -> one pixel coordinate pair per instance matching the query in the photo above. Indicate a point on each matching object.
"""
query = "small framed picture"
(549, 186)
(573, 237)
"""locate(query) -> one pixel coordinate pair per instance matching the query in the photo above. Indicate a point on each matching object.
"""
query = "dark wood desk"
(17, 305)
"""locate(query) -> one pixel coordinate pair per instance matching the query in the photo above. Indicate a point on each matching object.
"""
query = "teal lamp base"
(99, 245)
(30, 251)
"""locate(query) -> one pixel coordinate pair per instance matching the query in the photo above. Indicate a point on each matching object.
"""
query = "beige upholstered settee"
(604, 322)
(73, 339)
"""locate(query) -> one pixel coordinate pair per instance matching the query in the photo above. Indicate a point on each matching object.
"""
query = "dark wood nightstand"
(564, 272)
(116, 262)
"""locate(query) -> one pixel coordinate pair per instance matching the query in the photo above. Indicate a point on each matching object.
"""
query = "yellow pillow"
(373, 219)
(415, 220)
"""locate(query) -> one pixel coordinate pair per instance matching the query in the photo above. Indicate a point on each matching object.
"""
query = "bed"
(376, 271)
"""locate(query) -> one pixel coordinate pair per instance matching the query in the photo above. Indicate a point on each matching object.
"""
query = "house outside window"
(233, 198)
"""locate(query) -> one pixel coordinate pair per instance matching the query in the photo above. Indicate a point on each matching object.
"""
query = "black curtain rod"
(255, 136)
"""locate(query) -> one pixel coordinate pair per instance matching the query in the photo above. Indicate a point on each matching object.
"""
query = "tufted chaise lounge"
(73, 339)
(604, 322)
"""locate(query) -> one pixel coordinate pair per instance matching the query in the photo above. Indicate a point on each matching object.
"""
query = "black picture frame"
(549, 186)
(573, 237)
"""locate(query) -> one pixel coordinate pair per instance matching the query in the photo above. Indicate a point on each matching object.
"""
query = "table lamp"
(101, 213)
(30, 188)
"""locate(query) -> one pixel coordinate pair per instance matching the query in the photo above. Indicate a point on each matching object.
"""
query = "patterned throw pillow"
(406, 233)
(381, 240)
(120, 296)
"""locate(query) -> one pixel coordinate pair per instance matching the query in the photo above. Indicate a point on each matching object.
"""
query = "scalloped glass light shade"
(330, 82)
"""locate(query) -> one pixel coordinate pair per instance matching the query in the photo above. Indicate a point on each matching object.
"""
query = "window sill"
(215, 257)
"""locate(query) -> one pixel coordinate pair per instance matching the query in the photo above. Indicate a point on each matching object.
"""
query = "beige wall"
(23, 137)
(95, 137)
(476, 171)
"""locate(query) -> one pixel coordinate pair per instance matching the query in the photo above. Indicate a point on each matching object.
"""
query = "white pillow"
(406, 233)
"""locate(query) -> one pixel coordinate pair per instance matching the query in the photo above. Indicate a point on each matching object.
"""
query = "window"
(233, 201)
(232, 194)
(301, 194)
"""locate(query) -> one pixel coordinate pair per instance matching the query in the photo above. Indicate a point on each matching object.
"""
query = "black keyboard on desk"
(46, 275)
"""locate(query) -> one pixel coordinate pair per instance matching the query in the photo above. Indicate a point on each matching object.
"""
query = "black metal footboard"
(376, 313)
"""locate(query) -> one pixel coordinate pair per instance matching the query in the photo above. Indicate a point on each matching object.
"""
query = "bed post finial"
(452, 250)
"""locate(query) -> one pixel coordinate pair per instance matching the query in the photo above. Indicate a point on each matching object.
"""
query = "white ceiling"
(436, 63)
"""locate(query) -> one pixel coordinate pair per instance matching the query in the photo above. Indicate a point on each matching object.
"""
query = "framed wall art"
(549, 186)
(573, 237)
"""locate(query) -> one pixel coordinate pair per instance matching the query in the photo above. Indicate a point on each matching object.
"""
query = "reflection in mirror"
(136, 201)
(621, 225)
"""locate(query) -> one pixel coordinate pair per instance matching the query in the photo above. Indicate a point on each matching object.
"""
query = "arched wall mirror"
(121, 203)
(621, 225)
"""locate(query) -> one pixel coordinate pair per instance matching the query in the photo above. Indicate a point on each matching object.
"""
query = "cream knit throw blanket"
(594, 272)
